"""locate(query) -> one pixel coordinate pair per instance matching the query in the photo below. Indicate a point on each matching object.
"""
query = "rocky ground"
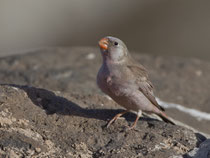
(51, 107)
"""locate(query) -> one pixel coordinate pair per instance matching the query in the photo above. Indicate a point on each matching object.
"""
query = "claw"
(116, 117)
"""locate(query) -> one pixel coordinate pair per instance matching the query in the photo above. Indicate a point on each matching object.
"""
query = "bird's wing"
(145, 86)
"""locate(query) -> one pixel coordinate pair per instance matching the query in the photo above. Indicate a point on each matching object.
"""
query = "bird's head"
(113, 49)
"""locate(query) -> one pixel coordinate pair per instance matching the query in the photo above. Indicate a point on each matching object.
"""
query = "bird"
(126, 81)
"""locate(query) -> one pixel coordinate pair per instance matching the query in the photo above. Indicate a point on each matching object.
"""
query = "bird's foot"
(131, 127)
(115, 118)
(110, 122)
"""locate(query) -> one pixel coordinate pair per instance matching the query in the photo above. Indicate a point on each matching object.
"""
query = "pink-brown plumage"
(126, 81)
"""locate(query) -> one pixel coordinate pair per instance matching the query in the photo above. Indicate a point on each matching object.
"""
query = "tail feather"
(165, 118)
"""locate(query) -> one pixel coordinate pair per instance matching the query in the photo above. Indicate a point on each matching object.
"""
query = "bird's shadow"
(52, 103)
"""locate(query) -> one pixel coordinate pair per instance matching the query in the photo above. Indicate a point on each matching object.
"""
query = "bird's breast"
(114, 80)
(103, 78)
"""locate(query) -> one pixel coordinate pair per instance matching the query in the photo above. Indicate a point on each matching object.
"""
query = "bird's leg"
(116, 117)
(137, 118)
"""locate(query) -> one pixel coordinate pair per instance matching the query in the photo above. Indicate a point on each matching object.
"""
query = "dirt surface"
(177, 80)
(60, 112)
(37, 122)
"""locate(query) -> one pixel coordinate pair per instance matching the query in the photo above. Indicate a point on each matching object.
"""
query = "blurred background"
(178, 28)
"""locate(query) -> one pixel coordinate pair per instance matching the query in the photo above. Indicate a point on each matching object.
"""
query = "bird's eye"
(115, 43)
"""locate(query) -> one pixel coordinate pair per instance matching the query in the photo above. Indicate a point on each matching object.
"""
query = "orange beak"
(103, 43)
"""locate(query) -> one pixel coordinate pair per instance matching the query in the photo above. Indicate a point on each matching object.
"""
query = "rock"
(177, 80)
(69, 124)
(202, 152)
(51, 107)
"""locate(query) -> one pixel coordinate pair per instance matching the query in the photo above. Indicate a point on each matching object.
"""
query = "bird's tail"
(165, 118)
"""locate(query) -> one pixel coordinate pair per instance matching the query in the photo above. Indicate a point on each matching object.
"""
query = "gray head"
(113, 49)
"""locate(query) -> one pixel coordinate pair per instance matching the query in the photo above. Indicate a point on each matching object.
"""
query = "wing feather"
(145, 86)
